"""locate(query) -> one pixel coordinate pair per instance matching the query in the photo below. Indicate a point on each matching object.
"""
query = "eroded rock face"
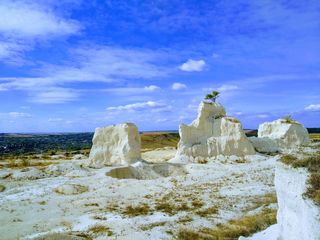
(212, 134)
(298, 217)
(117, 144)
(286, 134)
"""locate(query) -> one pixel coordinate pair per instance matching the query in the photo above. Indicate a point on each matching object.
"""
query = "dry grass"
(313, 191)
(263, 201)
(165, 207)
(315, 137)
(203, 161)
(2, 188)
(154, 140)
(289, 119)
(22, 163)
(185, 219)
(197, 203)
(207, 211)
(232, 119)
(233, 229)
(133, 211)
(312, 163)
(153, 225)
(100, 229)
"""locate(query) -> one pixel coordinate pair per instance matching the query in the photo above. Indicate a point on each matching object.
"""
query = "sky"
(73, 65)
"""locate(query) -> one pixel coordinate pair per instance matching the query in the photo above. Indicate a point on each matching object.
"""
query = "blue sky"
(73, 65)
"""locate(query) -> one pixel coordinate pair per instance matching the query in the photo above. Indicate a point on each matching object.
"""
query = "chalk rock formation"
(210, 135)
(117, 144)
(264, 145)
(298, 217)
(286, 134)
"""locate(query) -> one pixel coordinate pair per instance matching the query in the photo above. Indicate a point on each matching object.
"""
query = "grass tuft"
(134, 211)
(233, 229)
(100, 229)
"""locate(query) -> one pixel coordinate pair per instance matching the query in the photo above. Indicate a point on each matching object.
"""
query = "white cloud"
(55, 119)
(238, 113)
(96, 64)
(226, 87)
(139, 106)
(16, 115)
(222, 88)
(313, 107)
(162, 120)
(20, 19)
(54, 96)
(178, 86)
(11, 51)
(152, 88)
(193, 65)
(23, 24)
(262, 115)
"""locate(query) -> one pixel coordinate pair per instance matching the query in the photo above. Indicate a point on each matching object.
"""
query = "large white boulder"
(298, 217)
(117, 144)
(287, 134)
(210, 135)
(264, 144)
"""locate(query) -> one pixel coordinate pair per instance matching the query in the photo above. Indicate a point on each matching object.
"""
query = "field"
(45, 173)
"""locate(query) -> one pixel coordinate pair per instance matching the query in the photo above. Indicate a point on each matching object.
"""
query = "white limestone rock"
(264, 145)
(64, 168)
(29, 173)
(117, 144)
(286, 134)
(210, 135)
(298, 217)
(71, 189)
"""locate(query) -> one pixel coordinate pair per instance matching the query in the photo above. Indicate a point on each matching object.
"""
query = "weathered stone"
(287, 134)
(117, 144)
(210, 135)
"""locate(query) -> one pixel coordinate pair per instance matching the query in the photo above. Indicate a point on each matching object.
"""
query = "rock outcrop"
(264, 145)
(210, 135)
(298, 217)
(286, 134)
(117, 144)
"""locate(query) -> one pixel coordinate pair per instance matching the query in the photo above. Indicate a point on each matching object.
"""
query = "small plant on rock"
(212, 96)
(288, 119)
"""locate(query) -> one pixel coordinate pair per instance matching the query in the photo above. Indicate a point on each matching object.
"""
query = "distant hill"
(313, 130)
(22, 143)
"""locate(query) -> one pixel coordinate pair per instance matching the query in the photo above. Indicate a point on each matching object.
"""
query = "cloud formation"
(193, 65)
(25, 20)
(151, 88)
(86, 65)
(16, 115)
(23, 24)
(139, 106)
(313, 107)
(178, 86)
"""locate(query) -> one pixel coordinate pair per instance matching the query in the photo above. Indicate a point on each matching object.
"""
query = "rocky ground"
(158, 201)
